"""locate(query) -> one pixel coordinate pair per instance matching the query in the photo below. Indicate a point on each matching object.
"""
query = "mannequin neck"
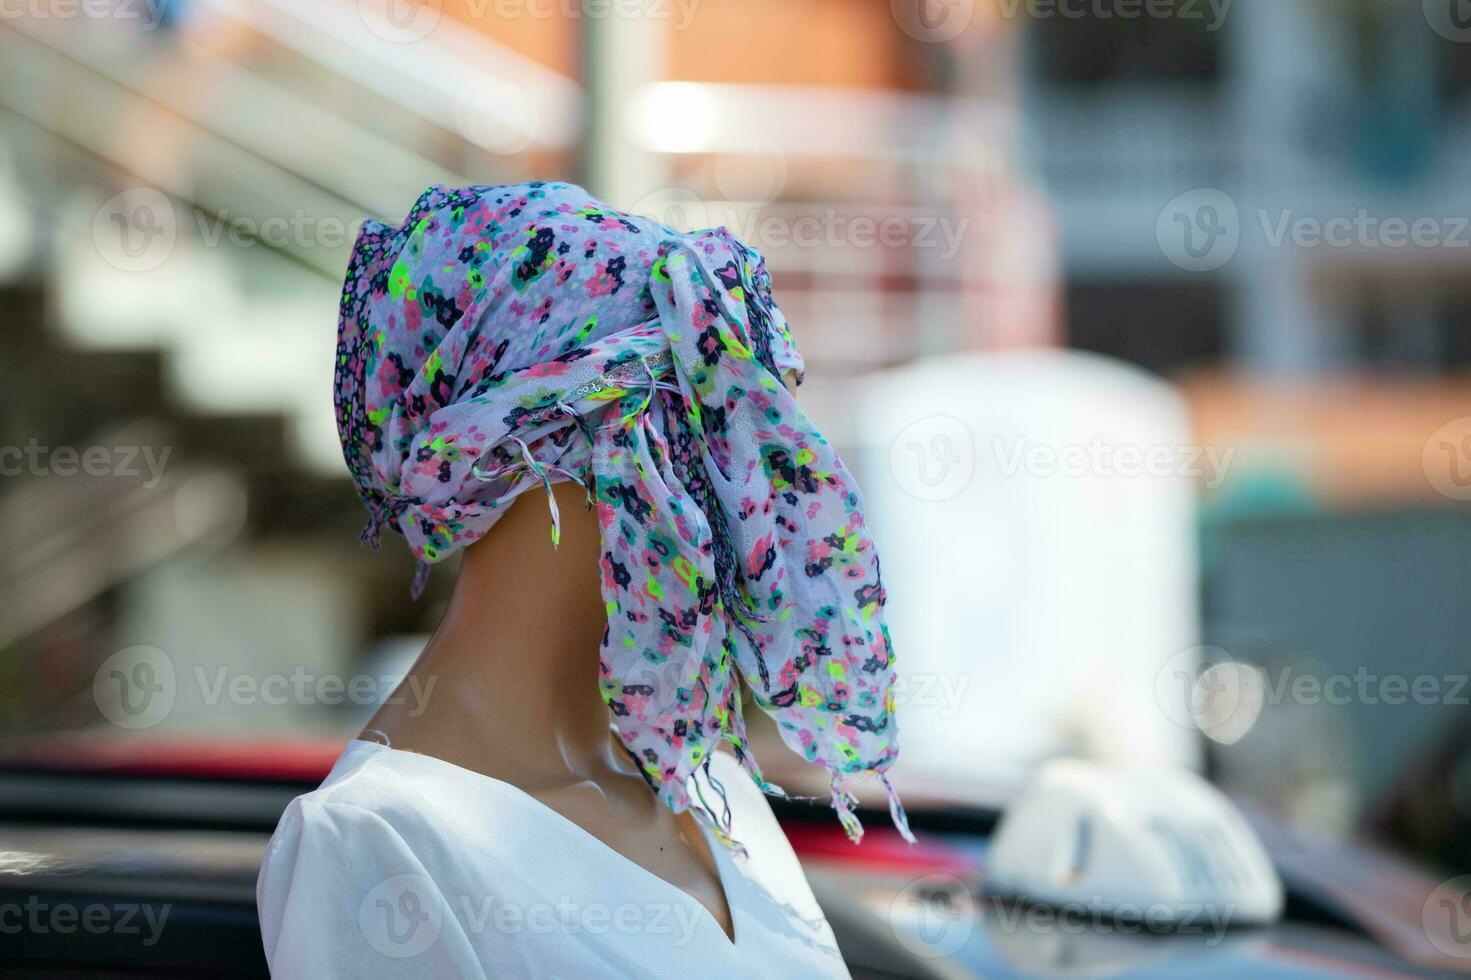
(514, 662)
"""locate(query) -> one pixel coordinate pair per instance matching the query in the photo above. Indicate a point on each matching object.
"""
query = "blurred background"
(1146, 326)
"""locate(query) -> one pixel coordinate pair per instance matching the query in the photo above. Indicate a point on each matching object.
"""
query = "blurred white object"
(1035, 511)
(1160, 844)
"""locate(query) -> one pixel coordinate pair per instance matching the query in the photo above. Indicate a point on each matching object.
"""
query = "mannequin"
(508, 339)
(516, 664)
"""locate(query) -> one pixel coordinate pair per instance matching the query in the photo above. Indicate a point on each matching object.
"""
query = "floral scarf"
(505, 338)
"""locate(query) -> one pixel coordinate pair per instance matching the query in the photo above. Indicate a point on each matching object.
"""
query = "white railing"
(487, 94)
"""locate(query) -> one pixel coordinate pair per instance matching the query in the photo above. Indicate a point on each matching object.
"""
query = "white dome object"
(1157, 843)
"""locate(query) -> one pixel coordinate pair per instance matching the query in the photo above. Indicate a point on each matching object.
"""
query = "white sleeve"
(340, 894)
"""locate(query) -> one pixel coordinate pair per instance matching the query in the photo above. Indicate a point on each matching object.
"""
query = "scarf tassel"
(421, 579)
(380, 513)
(720, 826)
(896, 811)
(385, 512)
(542, 471)
(844, 803)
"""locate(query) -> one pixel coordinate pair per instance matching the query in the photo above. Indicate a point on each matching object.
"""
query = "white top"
(403, 865)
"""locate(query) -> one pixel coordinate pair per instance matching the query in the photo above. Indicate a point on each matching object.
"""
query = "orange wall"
(551, 41)
(845, 43)
(849, 43)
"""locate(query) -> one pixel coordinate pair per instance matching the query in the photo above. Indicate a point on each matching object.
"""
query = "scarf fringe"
(844, 803)
(421, 579)
(379, 513)
(721, 826)
(543, 472)
(897, 815)
(384, 513)
(753, 769)
(842, 800)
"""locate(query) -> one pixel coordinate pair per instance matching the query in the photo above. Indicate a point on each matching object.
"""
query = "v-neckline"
(719, 859)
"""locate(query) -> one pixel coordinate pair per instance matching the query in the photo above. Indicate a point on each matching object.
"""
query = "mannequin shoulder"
(348, 840)
(364, 808)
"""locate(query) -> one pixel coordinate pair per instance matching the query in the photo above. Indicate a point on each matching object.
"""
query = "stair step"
(62, 396)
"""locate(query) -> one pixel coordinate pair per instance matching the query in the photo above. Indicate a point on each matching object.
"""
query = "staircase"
(196, 392)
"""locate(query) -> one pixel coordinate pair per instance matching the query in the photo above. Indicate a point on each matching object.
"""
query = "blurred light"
(1230, 697)
(20, 863)
(509, 134)
(210, 507)
(676, 117)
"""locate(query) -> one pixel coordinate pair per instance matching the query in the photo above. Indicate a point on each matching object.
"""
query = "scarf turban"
(505, 338)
